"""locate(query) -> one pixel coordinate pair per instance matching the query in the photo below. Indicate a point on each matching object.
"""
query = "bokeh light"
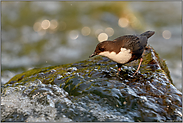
(85, 31)
(53, 24)
(123, 22)
(109, 31)
(45, 24)
(37, 26)
(166, 34)
(42, 26)
(102, 37)
(74, 34)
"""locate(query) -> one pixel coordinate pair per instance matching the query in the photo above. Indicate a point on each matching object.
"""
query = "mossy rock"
(90, 90)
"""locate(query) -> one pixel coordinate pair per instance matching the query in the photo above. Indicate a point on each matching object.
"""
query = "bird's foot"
(136, 72)
(118, 73)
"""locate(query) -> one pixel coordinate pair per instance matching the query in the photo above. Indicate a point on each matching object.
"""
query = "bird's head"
(101, 47)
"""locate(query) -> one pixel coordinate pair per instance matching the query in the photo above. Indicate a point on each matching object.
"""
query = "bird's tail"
(148, 33)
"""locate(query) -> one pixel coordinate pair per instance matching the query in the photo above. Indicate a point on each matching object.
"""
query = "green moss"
(29, 73)
(86, 68)
(163, 66)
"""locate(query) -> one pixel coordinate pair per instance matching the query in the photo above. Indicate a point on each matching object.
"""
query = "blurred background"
(40, 34)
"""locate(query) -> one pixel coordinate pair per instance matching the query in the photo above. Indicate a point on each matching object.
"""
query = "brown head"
(101, 47)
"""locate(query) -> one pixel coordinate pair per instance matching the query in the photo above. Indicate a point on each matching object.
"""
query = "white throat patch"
(122, 57)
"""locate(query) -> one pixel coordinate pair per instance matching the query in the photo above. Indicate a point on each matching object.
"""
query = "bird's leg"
(141, 59)
(119, 68)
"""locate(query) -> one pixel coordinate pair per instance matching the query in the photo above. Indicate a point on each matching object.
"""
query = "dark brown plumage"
(124, 49)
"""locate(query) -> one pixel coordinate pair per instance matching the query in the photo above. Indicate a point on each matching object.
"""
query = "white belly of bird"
(122, 57)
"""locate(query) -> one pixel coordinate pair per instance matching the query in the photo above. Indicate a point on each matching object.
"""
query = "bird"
(124, 49)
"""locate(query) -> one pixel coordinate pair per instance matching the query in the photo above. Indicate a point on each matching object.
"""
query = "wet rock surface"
(91, 90)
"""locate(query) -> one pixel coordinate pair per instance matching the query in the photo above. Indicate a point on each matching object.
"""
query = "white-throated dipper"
(124, 49)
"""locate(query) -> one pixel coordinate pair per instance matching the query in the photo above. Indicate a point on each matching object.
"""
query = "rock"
(91, 90)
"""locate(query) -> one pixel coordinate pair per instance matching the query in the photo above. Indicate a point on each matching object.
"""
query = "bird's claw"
(135, 73)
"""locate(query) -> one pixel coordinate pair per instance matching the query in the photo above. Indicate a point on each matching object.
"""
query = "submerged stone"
(91, 90)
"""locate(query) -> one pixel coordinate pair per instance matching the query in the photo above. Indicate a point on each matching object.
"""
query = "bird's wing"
(132, 42)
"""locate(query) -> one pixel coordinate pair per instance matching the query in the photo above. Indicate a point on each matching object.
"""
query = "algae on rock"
(90, 90)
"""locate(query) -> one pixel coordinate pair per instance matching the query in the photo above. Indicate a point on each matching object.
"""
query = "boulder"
(91, 91)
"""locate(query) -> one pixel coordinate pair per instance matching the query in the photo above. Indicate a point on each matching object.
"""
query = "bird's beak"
(92, 55)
